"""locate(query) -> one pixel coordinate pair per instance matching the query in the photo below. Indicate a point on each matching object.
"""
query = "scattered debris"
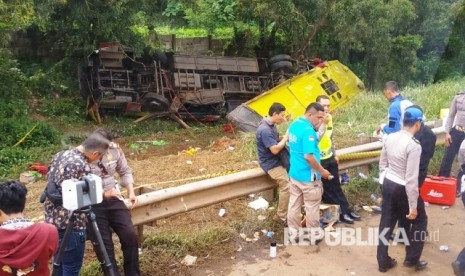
(253, 162)
(344, 177)
(271, 208)
(190, 151)
(189, 260)
(29, 177)
(330, 228)
(261, 217)
(426, 204)
(252, 195)
(38, 167)
(270, 234)
(248, 239)
(272, 249)
(243, 236)
(222, 212)
(367, 208)
(264, 231)
(231, 148)
(223, 143)
(228, 128)
(256, 236)
(239, 249)
(376, 209)
(445, 207)
(189, 162)
(202, 169)
(376, 199)
(362, 175)
(444, 248)
(155, 142)
(259, 203)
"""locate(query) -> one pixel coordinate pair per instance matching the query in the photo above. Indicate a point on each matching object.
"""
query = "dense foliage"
(406, 40)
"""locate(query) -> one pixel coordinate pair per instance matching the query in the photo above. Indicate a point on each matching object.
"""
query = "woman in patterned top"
(72, 164)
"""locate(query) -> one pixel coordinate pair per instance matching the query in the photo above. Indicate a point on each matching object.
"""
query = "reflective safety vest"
(326, 141)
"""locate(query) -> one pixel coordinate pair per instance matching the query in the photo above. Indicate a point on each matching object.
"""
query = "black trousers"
(332, 190)
(394, 208)
(459, 180)
(114, 215)
(451, 152)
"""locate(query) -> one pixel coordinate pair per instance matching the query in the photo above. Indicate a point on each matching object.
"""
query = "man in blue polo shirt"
(306, 172)
(269, 146)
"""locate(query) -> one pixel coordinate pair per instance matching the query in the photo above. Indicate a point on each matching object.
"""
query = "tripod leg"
(59, 256)
(99, 247)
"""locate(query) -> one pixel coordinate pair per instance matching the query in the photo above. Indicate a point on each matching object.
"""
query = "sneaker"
(280, 221)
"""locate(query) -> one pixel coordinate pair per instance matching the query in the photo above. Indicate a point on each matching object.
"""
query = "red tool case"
(439, 190)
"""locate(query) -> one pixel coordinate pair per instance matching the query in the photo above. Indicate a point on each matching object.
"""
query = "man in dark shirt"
(268, 147)
(72, 164)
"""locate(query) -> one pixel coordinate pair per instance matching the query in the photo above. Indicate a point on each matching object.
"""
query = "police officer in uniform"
(455, 133)
(399, 161)
(332, 191)
(427, 139)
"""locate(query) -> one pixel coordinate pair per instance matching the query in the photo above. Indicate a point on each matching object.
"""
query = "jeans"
(73, 255)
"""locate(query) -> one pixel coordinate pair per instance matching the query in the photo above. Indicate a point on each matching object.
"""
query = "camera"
(81, 193)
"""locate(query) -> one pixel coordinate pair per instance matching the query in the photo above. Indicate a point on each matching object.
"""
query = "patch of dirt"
(445, 226)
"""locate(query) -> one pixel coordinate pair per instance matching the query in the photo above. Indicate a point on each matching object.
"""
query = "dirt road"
(446, 227)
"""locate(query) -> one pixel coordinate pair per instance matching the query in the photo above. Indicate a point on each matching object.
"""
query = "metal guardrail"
(153, 205)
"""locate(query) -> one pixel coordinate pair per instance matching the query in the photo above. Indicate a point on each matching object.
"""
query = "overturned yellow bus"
(332, 78)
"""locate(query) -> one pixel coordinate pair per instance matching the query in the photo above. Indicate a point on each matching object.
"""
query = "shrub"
(42, 135)
(15, 160)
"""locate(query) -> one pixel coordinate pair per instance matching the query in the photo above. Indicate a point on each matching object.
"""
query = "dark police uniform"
(112, 214)
(455, 126)
(399, 160)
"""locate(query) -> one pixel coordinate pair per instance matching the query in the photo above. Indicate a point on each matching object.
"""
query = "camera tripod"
(96, 238)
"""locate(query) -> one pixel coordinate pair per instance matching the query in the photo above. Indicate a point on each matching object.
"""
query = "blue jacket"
(396, 114)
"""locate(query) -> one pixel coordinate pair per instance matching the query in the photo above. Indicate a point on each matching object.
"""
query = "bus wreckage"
(206, 88)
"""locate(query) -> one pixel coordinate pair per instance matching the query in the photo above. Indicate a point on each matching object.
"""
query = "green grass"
(368, 110)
